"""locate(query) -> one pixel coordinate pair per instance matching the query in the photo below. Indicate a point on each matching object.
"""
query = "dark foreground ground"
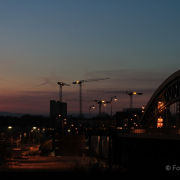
(73, 167)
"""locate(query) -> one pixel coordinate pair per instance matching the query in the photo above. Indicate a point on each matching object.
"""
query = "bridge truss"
(158, 106)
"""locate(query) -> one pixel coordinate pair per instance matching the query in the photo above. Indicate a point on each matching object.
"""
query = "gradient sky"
(135, 43)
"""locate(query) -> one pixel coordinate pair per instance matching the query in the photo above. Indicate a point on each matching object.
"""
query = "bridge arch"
(157, 108)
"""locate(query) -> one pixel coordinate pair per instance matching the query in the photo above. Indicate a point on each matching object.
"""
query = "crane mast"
(80, 91)
(60, 89)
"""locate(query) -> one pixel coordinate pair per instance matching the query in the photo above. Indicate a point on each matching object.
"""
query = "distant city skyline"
(134, 43)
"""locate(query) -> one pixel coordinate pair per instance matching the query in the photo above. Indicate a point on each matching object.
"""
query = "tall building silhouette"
(58, 108)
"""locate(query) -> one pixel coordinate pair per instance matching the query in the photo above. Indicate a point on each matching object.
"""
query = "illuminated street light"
(143, 107)
(114, 97)
(92, 106)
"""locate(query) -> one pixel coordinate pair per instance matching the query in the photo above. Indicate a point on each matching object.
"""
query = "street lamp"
(92, 106)
(71, 128)
(143, 108)
(114, 97)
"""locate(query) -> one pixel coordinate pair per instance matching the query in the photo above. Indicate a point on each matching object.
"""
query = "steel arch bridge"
(157, 111)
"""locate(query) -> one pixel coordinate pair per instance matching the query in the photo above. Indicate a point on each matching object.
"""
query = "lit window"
(24, 134)
(160, 123)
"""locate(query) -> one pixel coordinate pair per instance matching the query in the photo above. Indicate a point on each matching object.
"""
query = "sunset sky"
(135, 43)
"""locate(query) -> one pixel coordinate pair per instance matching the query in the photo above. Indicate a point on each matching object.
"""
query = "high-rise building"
(58, 108)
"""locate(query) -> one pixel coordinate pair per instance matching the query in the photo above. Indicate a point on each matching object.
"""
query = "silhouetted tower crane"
(80, 93)
(60, 89)
(130, 93)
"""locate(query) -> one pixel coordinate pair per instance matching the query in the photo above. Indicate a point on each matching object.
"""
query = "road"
(45, 163)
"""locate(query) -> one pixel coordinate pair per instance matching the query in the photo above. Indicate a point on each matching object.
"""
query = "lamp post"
(92, 106)
(110, 152)
(63, 122)
(114, 97)
(71, 128)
